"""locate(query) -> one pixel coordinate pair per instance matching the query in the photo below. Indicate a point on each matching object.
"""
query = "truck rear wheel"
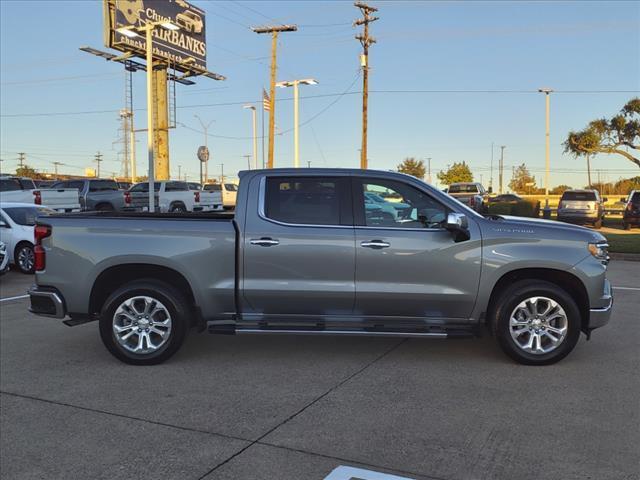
(536, 322)
(144, 322)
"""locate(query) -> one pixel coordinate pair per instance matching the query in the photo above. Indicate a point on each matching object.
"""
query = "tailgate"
(140, 200)
(210, 199)
(60, 198)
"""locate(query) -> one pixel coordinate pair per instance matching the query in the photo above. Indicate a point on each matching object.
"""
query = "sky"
(447, 80)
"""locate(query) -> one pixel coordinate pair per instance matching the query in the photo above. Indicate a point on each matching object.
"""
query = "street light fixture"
(132, 31)
(255, 138)
(294, 84)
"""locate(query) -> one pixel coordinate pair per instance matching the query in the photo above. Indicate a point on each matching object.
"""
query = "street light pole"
(547, 210)
(296, 122)
(206, 144)
(150, 133)
(255, 138)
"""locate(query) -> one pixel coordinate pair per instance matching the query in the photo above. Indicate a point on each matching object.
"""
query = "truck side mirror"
(458, 225)
(3, 224)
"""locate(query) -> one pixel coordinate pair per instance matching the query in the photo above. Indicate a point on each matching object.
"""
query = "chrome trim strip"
(358, 333)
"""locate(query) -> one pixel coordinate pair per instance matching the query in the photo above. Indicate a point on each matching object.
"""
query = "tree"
(560, 189)
(456, 173)
(27, 172)
(413, 167)
(522, 181)
(609, 136)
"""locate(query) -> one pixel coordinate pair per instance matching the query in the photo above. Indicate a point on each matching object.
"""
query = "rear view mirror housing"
(458, 225)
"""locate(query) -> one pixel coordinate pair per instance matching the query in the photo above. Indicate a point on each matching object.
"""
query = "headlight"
(600, 250)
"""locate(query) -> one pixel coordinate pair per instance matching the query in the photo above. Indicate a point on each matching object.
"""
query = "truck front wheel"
(144, 322)
(536, 322)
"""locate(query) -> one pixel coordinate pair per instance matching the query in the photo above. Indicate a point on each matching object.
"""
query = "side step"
(228, 328)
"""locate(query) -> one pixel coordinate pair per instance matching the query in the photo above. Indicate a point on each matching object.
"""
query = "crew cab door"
(298, 247)
(407, 264)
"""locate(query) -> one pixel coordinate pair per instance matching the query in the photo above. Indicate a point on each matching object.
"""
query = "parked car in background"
(170, 196)
(4, 258)
(24, 190)
(17, 221)
(512, 204)
(228, 191)
(631, 213)
(101, 194)
(581, 207)
(397, 210)
(301, 255)
(471, 194)
(506, 198)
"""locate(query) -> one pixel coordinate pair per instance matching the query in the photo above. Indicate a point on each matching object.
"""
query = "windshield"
(144, 187)
(212, 187)
(584, 196)
(463, 189)
(231, 187)
(635, 199)
(26, 215)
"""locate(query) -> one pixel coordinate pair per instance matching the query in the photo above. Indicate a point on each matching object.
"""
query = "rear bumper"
(46, 302)
(600, 316)
(578, 217)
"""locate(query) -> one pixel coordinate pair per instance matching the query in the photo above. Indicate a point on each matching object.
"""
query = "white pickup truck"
(23, 190)
(171, 196)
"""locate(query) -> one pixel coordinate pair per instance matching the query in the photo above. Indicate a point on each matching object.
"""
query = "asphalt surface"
(281, 408)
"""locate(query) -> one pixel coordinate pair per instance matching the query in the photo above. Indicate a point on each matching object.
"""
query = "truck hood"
(540, 226)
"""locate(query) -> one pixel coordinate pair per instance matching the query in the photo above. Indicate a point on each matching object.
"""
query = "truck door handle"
(375, 244)
(264, 242)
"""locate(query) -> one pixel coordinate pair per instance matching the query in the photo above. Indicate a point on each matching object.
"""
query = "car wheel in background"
(177, 208)
(104, 207)
(144, 322)
(24, 257)
(598, 224)
(626, 226)
(536, 322)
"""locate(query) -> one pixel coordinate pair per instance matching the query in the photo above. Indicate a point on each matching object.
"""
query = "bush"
(525, 208)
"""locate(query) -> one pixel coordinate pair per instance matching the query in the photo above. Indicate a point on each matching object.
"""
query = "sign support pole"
(150, 119)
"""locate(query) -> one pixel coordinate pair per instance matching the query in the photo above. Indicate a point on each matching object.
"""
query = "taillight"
(37, 197)
(197, 195)
(40, 232)
(127, 198)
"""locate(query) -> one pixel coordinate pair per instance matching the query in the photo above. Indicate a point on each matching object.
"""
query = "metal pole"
(546, 173)
(429, 168)
(365, 98)
(296, 143)
(263, 164)
(491, 170)
(150, 132)
(255, 138)
(589, 168)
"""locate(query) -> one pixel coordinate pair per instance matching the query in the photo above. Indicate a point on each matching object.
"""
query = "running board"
(353, 333)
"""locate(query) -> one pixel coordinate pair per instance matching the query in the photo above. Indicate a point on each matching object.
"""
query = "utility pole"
(274, 31)
(179, 172)
(547, 210)
(491, 171)
(222, 173)
(22, 158)
(98, 159)
(366, 41)
(589, 169)
(308, 163)
(501, 168)
(55, 168)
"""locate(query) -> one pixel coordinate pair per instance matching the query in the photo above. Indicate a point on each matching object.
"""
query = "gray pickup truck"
(96, 193)
(304, 254)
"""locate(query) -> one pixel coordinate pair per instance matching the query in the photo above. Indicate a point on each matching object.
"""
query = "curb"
(630, 257)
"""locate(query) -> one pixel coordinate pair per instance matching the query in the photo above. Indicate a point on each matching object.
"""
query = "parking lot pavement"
(297, 407)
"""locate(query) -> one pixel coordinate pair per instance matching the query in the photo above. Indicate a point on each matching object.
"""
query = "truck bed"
(146, 215)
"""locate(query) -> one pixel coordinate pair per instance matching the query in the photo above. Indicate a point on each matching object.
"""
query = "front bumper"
(600, 316)
(46, 302)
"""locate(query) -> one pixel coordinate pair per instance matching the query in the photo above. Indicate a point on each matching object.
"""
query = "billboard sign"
(183, 48)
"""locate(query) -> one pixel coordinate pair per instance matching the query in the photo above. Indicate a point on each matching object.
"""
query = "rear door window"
(176, 187)
(579, 196)
(102, 185)
(308, 200)
(635, 198)
(9, 185)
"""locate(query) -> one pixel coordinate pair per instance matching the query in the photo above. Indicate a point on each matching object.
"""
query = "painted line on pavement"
(13, 298)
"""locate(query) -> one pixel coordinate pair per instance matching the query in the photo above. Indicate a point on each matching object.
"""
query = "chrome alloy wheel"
(26, 259)
(141, 324)
(538, 325)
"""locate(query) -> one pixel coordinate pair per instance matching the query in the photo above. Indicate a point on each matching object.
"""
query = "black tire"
(177, 208)
(25, 248)
(598, 224)
(104, 207)
(626, 226)
(511, 298)
(171, 298)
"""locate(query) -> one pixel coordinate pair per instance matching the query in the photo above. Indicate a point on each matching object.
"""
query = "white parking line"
(627, 288)
(13, 298)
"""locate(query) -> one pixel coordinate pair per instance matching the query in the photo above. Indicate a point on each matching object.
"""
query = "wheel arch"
(565, 280)
(113, 277)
